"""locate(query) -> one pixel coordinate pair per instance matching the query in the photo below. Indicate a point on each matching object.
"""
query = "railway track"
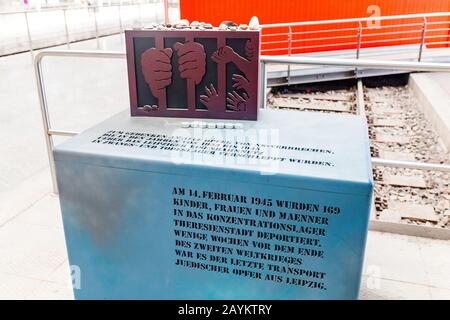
(397, 131)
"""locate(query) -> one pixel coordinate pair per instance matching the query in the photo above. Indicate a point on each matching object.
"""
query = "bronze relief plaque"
(193, 73)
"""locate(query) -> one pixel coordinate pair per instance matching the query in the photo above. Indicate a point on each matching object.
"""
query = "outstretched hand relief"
(241, 83)
(212, 100)
(237, 102)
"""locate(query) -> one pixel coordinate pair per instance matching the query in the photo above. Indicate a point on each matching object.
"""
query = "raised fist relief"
(250, 50)
(226, 54)
(191, 60)
(223, 55)
(157, 70)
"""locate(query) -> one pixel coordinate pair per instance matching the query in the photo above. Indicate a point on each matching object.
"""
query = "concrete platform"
(433, 92)
(277, 74)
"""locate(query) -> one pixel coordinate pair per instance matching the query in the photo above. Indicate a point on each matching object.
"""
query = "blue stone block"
(157, 208)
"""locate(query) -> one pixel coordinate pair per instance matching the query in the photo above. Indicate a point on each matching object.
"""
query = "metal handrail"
(410, 165)
(373, 18)
(361, 33)
(359, 63)
(49, 132)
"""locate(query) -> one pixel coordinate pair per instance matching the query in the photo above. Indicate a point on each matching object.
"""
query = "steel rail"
(410, 165)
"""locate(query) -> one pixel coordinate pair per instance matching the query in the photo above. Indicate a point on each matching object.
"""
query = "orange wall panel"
(311, 38)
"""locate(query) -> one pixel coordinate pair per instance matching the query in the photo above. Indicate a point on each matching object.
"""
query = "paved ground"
(33, 258)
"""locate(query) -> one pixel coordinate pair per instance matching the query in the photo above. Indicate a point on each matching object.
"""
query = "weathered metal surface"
(155, 210)
(193, 74)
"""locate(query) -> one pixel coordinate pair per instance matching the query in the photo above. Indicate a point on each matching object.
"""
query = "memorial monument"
(190, 198)
(193, 72)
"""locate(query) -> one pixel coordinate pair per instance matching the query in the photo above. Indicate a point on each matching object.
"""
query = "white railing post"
(358, 48)
(30, 42)
(289, 54)
(166, 11)
(140, 14)
(96, 28)
(120, 18)
(67, 29)
(263, 85)
(422, 41)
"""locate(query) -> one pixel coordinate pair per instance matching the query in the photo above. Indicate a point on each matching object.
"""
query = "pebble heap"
(201, 25)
